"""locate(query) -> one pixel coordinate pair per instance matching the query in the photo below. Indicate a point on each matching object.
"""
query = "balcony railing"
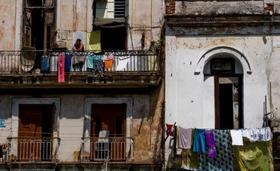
(16, 62)
(33, 149)
(94, 149)
(111, 149)
(41, 67)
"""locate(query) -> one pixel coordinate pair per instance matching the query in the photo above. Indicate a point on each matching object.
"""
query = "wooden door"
(30, 121)
(34, 135)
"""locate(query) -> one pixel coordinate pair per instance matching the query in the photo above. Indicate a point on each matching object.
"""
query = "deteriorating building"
(81, 84)
(222, 64)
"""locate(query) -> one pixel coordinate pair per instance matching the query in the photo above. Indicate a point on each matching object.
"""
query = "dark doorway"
(228, 102)
(37, 29)
(35, 132)
(226, 110)
(111, 116)
(113, 38)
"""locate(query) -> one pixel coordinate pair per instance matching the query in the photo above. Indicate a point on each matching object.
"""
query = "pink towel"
(60, 67)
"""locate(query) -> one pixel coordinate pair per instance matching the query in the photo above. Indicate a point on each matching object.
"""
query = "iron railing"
(18, 62)
(111, 149)
(35, 149)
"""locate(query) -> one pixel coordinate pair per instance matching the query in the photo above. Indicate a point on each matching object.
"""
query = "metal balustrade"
(18, 62)
(111, 149)
(31, 149)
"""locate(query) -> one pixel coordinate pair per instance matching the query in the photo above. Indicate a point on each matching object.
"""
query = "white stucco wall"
(190, 98)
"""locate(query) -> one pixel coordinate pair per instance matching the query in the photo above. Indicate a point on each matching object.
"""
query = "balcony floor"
(80, 79)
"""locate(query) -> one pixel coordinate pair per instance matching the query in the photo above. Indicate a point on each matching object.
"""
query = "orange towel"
(108, 64)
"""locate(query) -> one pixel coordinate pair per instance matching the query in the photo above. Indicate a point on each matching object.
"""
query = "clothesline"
(216, 149)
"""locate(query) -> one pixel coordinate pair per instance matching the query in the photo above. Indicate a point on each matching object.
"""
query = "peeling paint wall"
(197, 103)
(272, 71)
(145, 128)
(9, 25)
(145, 18)
(190, 97)
(72, 16)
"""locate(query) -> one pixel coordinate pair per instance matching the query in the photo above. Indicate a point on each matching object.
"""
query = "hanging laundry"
(257, 134)
(190, 160)
(45, 64)
(94, 40)
(98, 64)
(60, 67)
(68, 61)
(122, 63)
(53, 61)
(169, 130)
(224, 159)
(210, 141)
(184, 138)
(236, 136)
(108, 61)
(199, 145)
(78, 61)
(254, 156)
(89, 63)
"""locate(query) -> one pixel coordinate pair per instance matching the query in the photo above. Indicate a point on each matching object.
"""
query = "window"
(109, 9)
(222, 66)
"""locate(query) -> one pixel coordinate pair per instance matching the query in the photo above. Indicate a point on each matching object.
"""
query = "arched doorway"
(228, 89)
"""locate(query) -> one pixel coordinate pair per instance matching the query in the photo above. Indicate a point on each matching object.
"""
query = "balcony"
(35, 150)
(111, 149)
(92, 69)
(32, 150)
(114, 149)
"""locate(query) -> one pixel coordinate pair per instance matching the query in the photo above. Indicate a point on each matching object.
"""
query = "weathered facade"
(57, 126)
(222, 64)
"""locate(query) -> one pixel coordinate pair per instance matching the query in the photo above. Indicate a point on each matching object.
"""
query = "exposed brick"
(170, 7)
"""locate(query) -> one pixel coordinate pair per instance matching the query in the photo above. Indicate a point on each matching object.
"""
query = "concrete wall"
(273, 71)
(204, 8)
(72, 16)
(190, 96)
(11, 12)
(145, 123)
(145, 18)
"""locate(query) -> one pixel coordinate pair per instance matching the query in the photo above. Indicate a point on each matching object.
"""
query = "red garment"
(169, 129)
(60, 67)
